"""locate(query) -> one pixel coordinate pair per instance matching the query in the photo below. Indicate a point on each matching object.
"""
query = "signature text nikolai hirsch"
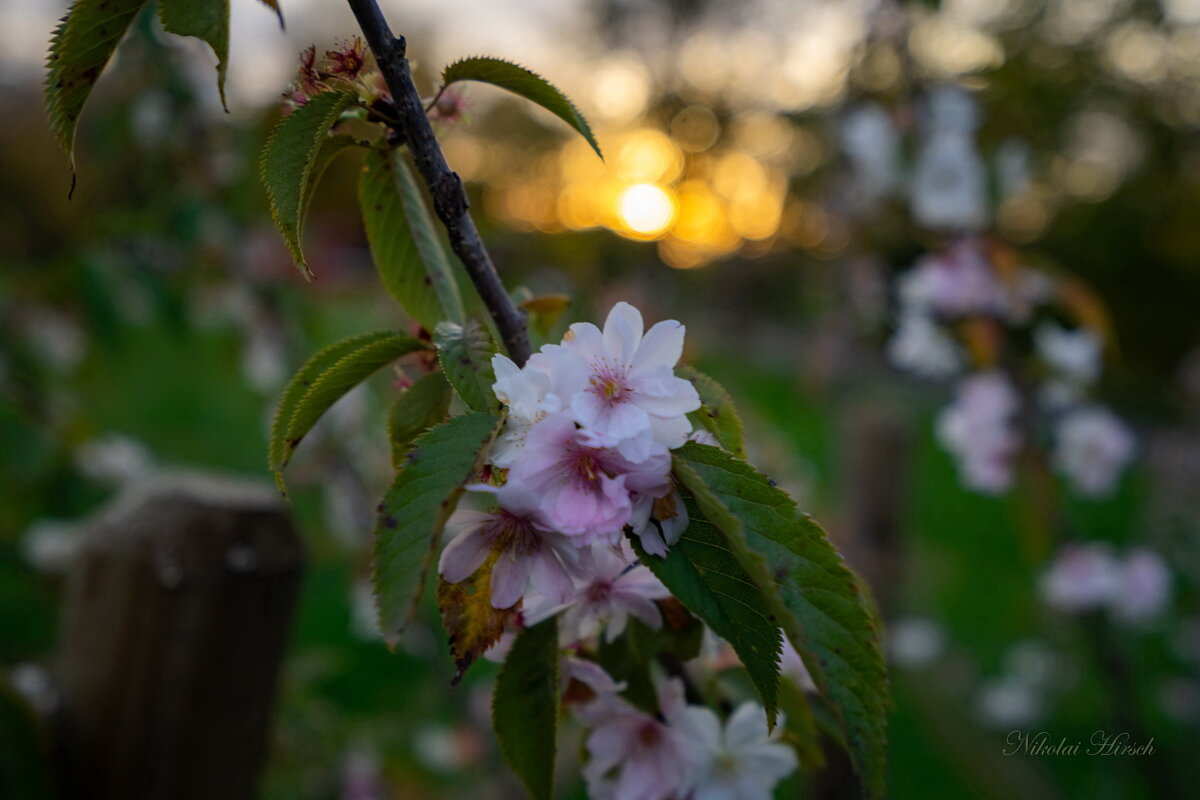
(1101, 743)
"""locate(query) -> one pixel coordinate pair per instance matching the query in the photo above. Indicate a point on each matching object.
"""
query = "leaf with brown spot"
(472, 622)
(80, 48)
(420, 500)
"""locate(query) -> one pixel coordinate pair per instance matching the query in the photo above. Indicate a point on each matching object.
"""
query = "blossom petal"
(623, 332)
(661, 346)
(509, 577)
(465, 554)
(549, 577)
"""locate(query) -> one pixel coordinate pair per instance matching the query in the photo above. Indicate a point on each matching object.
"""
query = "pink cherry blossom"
(530, 393)
(527, 551)
(634, 756)
(609, 587)
(629, 388)
(584, 491)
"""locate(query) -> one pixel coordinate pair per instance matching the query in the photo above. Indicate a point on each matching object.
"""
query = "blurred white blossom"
(923, 347)
(1083, 577)
(113, 459)
(49, 545)
(1089, 577)
(872, 146)
(1073, 355)
(979, 431)
(915, 641)
(949, 183)
(1092, 447)
(1009, 702)
(1143, 586)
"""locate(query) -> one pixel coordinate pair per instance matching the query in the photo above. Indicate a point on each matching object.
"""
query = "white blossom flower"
(630, 388)
(978, 429)
(609, 587)
(949, 185)
(1083, 577)
(923, 347)
(744, 761)
(1092, 448)
(114, 458)
(530, 393)
(915, 641)
(1006, 703)
(1143, 586)
(872, 147)
(1073, 355)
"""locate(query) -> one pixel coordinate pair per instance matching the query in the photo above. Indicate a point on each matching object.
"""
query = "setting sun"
(646, 209)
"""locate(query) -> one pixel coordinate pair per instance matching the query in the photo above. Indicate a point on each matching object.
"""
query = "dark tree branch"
(449, 198)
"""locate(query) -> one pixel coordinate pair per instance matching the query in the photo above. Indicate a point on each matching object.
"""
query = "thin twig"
(441, 90)
(445, 187)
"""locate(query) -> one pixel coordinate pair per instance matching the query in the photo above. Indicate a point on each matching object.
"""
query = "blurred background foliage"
(149, 322)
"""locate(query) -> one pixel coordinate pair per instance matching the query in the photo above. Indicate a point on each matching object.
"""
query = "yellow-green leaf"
(405, 245)
(415, 510)
(80, 48)
(716, 414)
(207, 20)
(524, 83)
(465, 352)
(420, 407)
(322, 380)
(288, 163)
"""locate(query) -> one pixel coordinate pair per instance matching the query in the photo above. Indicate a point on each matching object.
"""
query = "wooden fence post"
(177, 615)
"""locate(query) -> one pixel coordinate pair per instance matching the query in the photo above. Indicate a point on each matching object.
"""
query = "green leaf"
(707, 578)
(717, 415)
(207, 20)
(423, 405)
(80, 47)
(415, 510)
(522, 82)
(322, 380)
(466, 355)
(525, 707)
(405, 245)
(288, 162)
(815, 598)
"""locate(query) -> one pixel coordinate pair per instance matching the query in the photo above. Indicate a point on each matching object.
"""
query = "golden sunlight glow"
(646, 209)
(648, 156)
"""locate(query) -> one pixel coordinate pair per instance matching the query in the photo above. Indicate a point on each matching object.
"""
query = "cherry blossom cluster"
(1091, 577)
(683, 751)
(584, 453)
(961, 315)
